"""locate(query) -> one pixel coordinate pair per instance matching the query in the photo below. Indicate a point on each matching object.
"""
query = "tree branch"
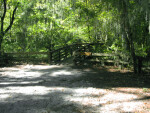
(3, 17)
(12, 19)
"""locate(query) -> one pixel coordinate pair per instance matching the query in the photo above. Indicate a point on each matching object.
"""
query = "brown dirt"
(71, 89)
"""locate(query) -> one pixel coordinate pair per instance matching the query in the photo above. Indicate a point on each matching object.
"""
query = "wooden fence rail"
(60, 54)
(102, 58)
(63, 53)
(53, 56)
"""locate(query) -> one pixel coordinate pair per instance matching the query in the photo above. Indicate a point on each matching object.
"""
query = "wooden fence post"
(84, 49)
(66, 52)
(49, 57)
(102, 63)
(71, 51)
(27, 58)
(59, 55)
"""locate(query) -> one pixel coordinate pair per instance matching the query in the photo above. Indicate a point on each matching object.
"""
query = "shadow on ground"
(51, 89)
(98, 78)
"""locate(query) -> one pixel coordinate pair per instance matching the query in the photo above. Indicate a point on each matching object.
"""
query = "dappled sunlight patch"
(106, 100)
(60, 88)
(119, 97)
(122, 107)
(90, 90)
(4, 96)
(42, 66)
(97, 99)
(20, 83)
(31, 72)
(19, 73)
(33, 92)
(63, 72)
(138, 91)
(88, 96)
(34, 71)
(114, 69)
(22, 74)
(118, 70)
(29, 90)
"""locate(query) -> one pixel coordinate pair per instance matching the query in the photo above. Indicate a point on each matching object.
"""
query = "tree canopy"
(37, 25)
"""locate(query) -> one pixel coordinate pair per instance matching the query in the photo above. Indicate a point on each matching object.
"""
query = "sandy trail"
(66, 89)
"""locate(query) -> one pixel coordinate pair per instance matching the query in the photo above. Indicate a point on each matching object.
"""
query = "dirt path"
(67, 89)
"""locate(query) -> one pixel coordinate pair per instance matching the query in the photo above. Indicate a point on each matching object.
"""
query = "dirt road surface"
(70, 89)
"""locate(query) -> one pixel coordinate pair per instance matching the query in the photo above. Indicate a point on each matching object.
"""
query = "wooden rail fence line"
(85, 51)
(53, 56)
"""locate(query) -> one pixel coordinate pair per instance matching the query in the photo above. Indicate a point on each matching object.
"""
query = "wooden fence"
(103, 59)
(53, 56)
(27, 57)
(63, 53)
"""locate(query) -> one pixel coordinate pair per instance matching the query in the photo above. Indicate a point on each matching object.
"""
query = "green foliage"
(41, 24)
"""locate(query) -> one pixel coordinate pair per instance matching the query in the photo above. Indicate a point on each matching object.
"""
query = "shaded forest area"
(42, 25)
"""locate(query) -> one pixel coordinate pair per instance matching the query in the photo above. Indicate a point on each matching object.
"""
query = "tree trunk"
(133, 54)
(1, 40)
(140, 60)
(2, 31)
(128, 31)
